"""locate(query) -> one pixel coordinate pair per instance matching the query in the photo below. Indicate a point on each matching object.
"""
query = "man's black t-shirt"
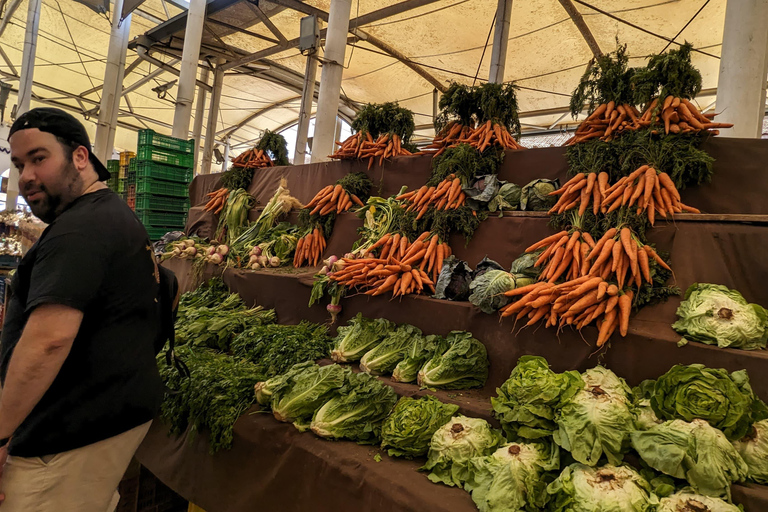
(94, 257)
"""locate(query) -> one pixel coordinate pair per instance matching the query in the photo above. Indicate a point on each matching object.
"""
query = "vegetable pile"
(363, 147)
(446, 196)
(252, 159)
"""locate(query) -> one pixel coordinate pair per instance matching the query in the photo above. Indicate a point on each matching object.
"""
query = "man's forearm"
(36, 360)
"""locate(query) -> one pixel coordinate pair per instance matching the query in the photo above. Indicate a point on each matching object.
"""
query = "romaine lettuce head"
(695, 391)
(488, 290)
(464, 365)
(265, 389)
(361, 335)
(357, 411)
(693, 451)
(514, 478)
(581, 488)
(527, 401)
(305, 392)
(753, 448)
(383, 358)
(454, 444)
(408, 430)
(688, 500)
(421, 350)
(717, 315)
(597, 420)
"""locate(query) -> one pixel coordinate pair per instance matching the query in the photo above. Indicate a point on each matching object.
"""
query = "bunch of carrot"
(577, 302)
(651, 190)
(218, 198)
(616, 254)
(680, 116)
(607, 121)
(252, 159)
(361, 147)
(449, 136)
(309, 249)
(581, 190)
(332, 199)
(425, 252)
(378, 276)
(446, 196)
(490, 133)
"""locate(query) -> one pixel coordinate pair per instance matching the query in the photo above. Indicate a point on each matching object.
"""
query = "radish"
(263, 261)
(256, 251)
(210, 251)
(176, 252)
(349, 256)
(323, 271)
(216, 259)
(190, 251)
(330, 261)
(255, 266)
(334, 310)
(223, 250)
(189, 243)
(253, 259)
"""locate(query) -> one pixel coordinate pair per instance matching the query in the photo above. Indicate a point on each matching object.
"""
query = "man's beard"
(53, 203)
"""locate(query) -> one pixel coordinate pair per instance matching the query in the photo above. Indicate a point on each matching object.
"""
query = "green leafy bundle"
(463, 365)
(305, 391)
(408, 430)
(237, 177)
(385, 118)
(607, 79)
(207, 295)
(667, 74)
(465, 163)
(357, 183)
(275, 146)
(458, 103)
(274, 349)
(358, 337)
(497, 103)
(420, 350)
(218, 391)
(384, 357)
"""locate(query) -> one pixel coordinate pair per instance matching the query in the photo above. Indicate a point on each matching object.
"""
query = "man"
(80, 384)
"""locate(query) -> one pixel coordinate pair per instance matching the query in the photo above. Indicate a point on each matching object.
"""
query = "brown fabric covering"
(273, 467)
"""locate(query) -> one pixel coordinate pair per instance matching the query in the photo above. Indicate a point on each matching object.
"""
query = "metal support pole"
(500, 40)
(213, 116)
(743, 68)
(330, 80)
(112, 86)
(435, 103)
(193, 35)
(25, 89)
(197, 128)
(226, 156)
(307, 96)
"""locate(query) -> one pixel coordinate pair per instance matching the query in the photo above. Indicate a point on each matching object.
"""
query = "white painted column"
(190, 56)
(197, 129)
(743, 68)
(305, 113)
(112, 87)
(330, 80)
(213, 116)
(225, 163)
(25, 89)
(500, 40)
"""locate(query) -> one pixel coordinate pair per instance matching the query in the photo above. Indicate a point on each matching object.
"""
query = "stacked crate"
(161, 172)
(113, 166)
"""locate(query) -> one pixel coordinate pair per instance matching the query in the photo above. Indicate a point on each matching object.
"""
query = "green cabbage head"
(358, 337)
(717, 315)
(383, 358)
(693, 451)
(305, 392)
(357, 411)
(688, 501)
(645, 416)
(514, 478)
(408, 430)
(581, 488)
(527, 401)
(463, 366)
(753, 448)
(454, 444)
(597, 420)
(725, 400)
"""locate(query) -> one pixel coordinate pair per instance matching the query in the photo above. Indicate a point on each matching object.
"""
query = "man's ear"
(80, 158)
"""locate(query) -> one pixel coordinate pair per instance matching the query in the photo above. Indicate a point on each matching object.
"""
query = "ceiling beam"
(578, 20)
(226, 132)
(267, 22)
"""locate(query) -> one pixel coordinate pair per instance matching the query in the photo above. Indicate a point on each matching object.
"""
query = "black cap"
(61, 124)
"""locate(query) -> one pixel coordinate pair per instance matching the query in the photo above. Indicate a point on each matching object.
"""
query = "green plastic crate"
(163, 172)
(161, 188)
(113, 165)
(165, 156)
(162, 203)
(152, 138)
(153, 218)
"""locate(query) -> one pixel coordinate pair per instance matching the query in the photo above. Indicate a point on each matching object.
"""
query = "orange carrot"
(546, 241)
(625, 304)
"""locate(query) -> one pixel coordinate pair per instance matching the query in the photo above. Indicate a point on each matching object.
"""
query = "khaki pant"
(80, 480)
